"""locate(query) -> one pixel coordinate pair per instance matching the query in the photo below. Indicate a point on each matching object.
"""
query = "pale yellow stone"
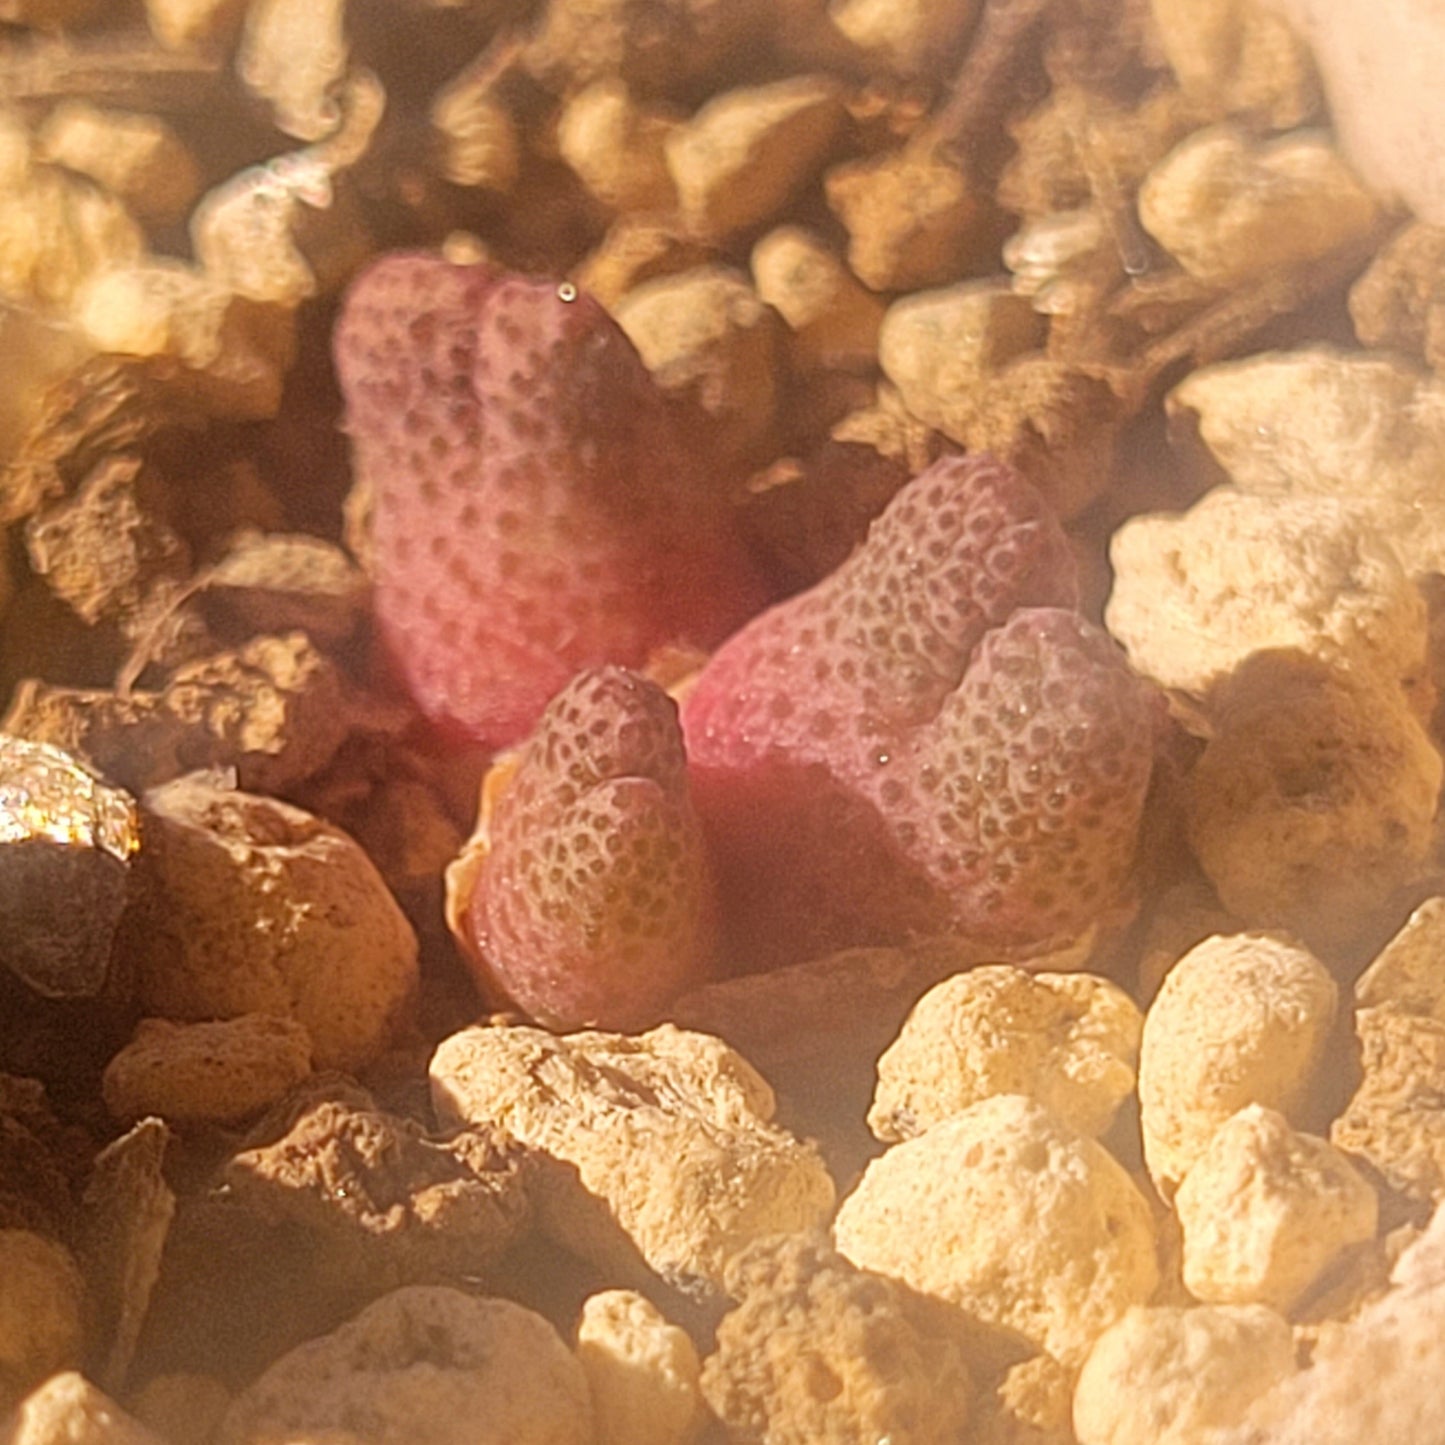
(247, 232)
(426, 1364)
(1356, 426)
(1373, 1378)
(706, 336)
(164, 307)
(1070, 1041)
(293, 54)
(56, 230)
(194, 24)
(1011, 1216)
(643, 1372)
(480, 143)
(1379, 62)
(1240, 1019)
(1162, 1375)
(1197, 593)
(670, 1134)
(1266, 1210)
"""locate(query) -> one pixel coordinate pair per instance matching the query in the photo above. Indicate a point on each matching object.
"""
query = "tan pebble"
(163, 307)
(939, 347)
(1006, 1213)
(1314, 802)
(834, 321)
(744, 154)
(670, 45)
(263, 908)
(615, 145)
(1068, 1041)
(643, 1372)
(377, 1199)
(276, 581)
(670, 1134)
(818, 1352)
(273, 709)
(636, 249)
(42, 1312)
(1240, 1019)
(707, 337)
(1031, 1404)
(473, 121)
(1052, 420)
(283, 230)
(102, 549)
(909, 217)
(1377, 62)
(1408, 974)
(1229, 208)
(68, 841)
(195, 24)
(1398, 304)
(220, 1073)
(1395, 1121)
(1238, 57)
(138, 158)
(1166, 1375)
(1267, 1210)
(293, 54)
(910, 37)
(68, 1410)
(425, 1364)
(57, 230)
(1373, 1378)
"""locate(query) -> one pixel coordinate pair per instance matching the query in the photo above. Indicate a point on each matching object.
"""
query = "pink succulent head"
(931, 740)
(534, 507)
(594, 906)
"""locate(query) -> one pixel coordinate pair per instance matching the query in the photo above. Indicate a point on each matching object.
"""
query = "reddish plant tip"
(871, 652)
(594, 906)
(1028, 789)
(930, 741)
(534, 507)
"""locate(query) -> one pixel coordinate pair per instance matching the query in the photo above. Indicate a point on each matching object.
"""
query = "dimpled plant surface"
(594, 904)
(930, 740)
(534, 509)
